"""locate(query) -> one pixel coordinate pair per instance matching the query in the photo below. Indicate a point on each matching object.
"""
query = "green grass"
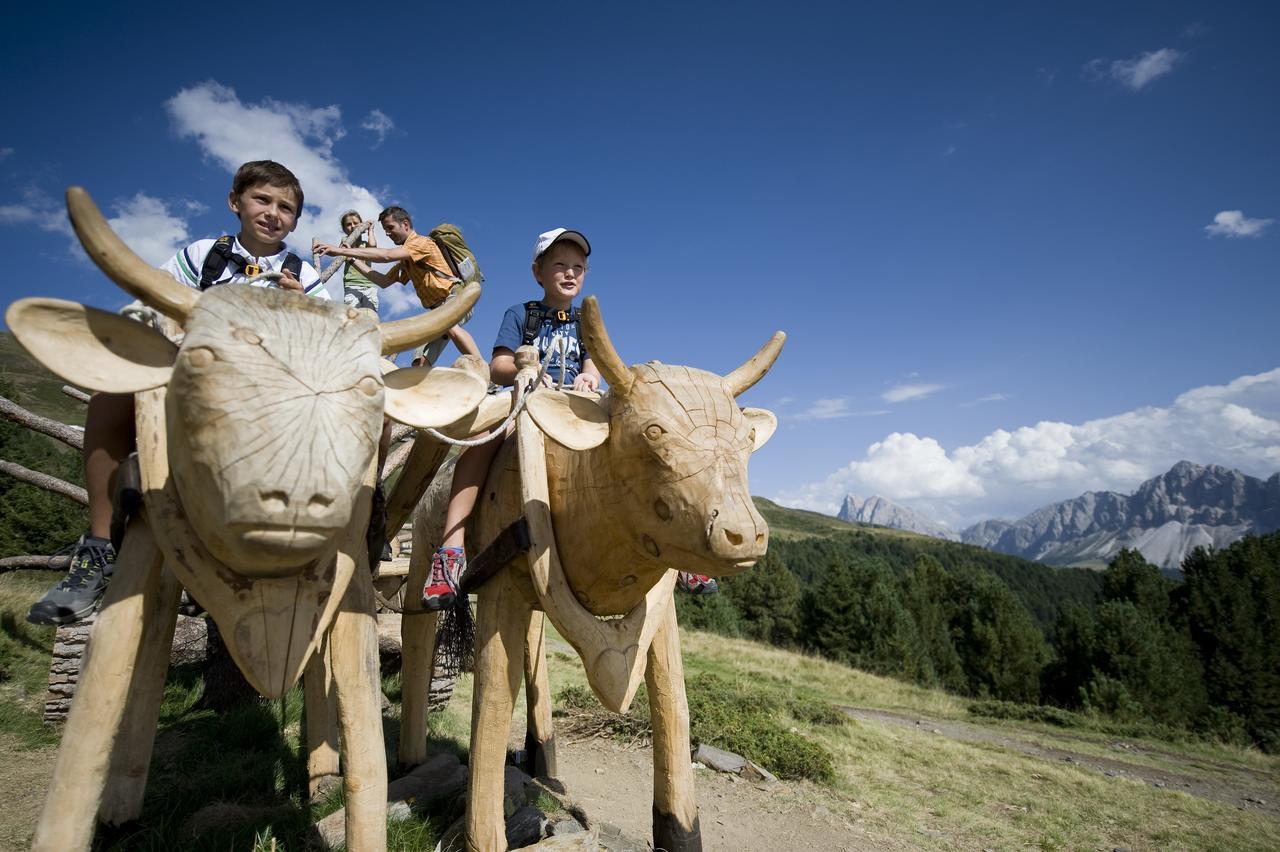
(904, 785)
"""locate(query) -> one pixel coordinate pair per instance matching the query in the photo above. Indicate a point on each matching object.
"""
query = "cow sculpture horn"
(600, 348)
(400, 335)
(157, 288)
(757, 365)
(134, 275)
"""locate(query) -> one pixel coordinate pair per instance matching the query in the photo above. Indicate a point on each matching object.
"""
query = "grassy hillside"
(35, 388)
(912, 768)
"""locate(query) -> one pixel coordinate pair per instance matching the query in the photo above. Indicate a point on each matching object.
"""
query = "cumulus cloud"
(1138, 72)
(903, 393)
(1233, 223)
(379, 124)
(230, 132)
(399, 300)
(146, 226)
(1011, 473)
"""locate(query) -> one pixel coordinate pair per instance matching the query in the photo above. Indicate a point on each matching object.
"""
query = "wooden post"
(321, 701)
(417, 656)
(131, 757)
(67, 820)
(353, 647)
(675, 806)
(539, 738)
(502, 623)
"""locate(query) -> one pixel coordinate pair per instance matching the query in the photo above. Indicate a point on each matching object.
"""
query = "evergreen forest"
(1199, 657)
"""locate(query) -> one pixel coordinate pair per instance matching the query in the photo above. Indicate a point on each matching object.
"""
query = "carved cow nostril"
(759, 538)
(318, 505)
(274, 501)
(733, 538)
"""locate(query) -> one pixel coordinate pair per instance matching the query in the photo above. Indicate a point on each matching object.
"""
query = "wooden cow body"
(257, 439)
(646, 480)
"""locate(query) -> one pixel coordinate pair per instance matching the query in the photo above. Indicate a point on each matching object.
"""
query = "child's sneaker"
(76, 594)
(696, 584)
(441, 589)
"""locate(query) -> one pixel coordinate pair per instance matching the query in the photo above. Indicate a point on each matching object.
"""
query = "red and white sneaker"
(696, 584)
(441, 589)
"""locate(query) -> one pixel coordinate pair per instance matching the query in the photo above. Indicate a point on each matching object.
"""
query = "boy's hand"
(586, 382)
(323, 249)
(289, 282)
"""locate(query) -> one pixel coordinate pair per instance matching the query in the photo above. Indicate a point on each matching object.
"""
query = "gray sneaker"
(76, 594)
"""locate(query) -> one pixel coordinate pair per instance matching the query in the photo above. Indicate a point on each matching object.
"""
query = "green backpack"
(462, 260)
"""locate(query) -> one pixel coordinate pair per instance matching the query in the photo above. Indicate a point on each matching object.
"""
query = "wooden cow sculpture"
(257, 439)
(650, 478)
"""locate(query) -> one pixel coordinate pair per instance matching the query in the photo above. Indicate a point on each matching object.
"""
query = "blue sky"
(1020, 252)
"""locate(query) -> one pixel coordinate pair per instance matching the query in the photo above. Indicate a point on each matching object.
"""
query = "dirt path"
(1239, 786)
(616, 783)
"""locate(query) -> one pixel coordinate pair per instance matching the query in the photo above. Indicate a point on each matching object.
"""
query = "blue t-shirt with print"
(550, 337)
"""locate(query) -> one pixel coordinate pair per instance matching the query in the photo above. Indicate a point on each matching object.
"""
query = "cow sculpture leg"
(353, 646)
(321, 700)
(418, 653)
(502, 625)
(129, 608)
(675, 805)
(131, 756)
(539, 738)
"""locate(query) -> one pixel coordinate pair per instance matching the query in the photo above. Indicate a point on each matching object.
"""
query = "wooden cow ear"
(570, 418)
(92, 348)
(431, 396)
(764, 422)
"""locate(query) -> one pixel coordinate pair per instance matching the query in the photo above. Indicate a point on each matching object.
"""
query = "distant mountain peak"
(1188, 506)
(883, 512)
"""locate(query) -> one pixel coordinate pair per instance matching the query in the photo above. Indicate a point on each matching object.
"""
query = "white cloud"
(397, 300)
(379, 124)
(1010, 473)
(39, 209)
(1138, 72)
(903, 393)
(300, 136)
(146, 226)
(6, 153)
(1233, 223)
(991, 397)
(830, 409)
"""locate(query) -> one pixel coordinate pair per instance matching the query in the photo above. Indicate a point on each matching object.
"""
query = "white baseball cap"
(546, 239)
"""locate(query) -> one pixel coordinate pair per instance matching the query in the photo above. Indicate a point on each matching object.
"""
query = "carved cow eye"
(653, 431)
(201, 357)
(368, 385)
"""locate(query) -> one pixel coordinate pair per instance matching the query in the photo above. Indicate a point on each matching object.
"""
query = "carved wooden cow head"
(274, 405)
(677, 437)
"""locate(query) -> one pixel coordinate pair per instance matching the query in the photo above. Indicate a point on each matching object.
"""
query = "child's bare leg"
(468, 478)
(110, 434)
(464, 341)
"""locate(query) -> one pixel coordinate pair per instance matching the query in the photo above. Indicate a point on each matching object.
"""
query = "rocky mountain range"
(1165, 518)
(883, 512)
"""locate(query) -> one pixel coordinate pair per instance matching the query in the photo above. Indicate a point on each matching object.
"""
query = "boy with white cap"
(549, 324)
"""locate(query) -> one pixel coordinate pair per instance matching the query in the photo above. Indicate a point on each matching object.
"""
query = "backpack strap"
(535, 313)
(221, 255)
(215, 262)
(448, 256)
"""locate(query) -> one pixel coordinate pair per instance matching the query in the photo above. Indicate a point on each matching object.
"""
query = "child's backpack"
(460, 257)
(222, 253)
